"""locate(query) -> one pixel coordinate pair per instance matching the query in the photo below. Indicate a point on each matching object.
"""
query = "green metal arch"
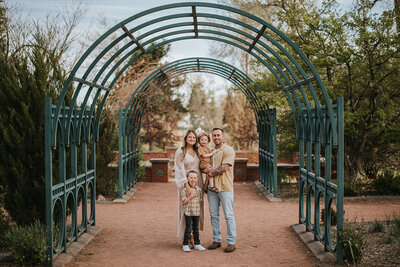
(257, 41)
(207, 65)
(317, 120)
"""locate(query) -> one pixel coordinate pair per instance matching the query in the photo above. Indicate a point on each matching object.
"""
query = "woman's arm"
(180, 172)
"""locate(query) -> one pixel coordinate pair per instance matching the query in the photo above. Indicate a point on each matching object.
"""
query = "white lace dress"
(182, 166)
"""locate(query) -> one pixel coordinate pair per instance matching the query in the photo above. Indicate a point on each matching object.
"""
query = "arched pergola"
(130, 117)
(73, 128)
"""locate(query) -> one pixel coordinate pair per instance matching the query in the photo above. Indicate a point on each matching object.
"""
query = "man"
(223, 162)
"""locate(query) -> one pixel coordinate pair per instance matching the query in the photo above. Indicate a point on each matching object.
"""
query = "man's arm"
(220, 170)
(190, 197)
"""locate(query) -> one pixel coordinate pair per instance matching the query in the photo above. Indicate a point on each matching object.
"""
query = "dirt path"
(142, 232)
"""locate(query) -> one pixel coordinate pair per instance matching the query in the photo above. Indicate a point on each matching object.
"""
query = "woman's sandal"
(214, 189)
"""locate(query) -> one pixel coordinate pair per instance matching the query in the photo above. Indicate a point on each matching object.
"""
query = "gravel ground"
(142, 232)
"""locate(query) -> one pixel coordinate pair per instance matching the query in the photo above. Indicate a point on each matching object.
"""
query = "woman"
(186, 159)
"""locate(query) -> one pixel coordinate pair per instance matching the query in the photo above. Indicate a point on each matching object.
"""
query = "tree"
(240, 121)
(203, 110)
(164, 106)
(357, 55)
(29, 73)
(106, 176)
(164, 110)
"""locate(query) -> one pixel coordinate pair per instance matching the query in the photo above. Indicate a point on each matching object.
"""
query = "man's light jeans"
(226, 200)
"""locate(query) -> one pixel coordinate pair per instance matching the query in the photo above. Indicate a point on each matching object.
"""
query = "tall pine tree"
(25, 80)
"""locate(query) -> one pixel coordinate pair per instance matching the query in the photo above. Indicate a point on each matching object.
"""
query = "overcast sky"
(117, 10)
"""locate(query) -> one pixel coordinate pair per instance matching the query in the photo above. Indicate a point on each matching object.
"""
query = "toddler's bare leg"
(211, 182)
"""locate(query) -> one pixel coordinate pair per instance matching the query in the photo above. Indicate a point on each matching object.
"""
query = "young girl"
(191, 206)
(205, 159)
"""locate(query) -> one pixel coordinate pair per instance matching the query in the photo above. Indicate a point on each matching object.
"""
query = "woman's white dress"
(182, 166)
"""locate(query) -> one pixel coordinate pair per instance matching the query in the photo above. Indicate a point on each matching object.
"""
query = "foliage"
(140, 170)
(333, 216)
(163, 106)
(396, 223)
(240, 121)
(160, 118)
(27, 243)
(203, 110)
(352, 188)
(4, 220)
(387, 183)
(353, 242)
(29, 73)
(377, 227)
(106, 176)
(357, 56)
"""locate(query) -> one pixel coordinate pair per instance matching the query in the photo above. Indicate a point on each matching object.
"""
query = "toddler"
(191, 209)
(205, 159)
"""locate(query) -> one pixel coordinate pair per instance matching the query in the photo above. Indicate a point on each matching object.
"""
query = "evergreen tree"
(106, 177)
(240, 121)
(203, 110)
(25, 80)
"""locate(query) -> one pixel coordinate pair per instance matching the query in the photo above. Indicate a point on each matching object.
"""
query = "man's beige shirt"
(225, 155)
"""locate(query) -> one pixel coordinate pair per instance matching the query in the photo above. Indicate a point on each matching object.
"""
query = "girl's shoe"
(186, 248)
(199, 247)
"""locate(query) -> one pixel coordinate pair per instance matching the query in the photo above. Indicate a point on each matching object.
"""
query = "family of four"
(193, 161)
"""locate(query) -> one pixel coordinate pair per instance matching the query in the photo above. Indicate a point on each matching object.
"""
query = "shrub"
(333, 216)
(353, 242)
(387, 183)
(4, 221)
(377, 227)
(352, 188)
(106, 176)
(140, 170)
(396, 223)
(27, 243)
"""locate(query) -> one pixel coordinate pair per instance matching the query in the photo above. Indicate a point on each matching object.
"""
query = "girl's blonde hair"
(201, 135)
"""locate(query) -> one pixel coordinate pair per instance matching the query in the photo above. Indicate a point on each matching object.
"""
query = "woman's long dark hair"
(184, 147)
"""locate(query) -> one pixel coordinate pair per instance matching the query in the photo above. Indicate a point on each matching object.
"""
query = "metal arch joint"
(91, 84)
(257, 38)
(233, 72)
(300, 83)
(129, 34)
(195, 24)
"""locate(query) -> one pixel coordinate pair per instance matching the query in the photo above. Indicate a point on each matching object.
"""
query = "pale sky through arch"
(117, 10)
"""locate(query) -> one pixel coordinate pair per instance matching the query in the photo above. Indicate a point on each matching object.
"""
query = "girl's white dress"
(182, 166)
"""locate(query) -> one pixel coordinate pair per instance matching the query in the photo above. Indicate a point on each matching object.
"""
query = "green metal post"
(74, 173)
(49, 182)
(340, 179)
(84, 170)
(328, 168)
(93, 165)
(121, 153)
(275, 152)
(62, 173)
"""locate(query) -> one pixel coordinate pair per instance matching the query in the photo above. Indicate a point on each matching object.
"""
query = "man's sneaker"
(199, 247)
(230, 248)
(186, 248)
(214, 245)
